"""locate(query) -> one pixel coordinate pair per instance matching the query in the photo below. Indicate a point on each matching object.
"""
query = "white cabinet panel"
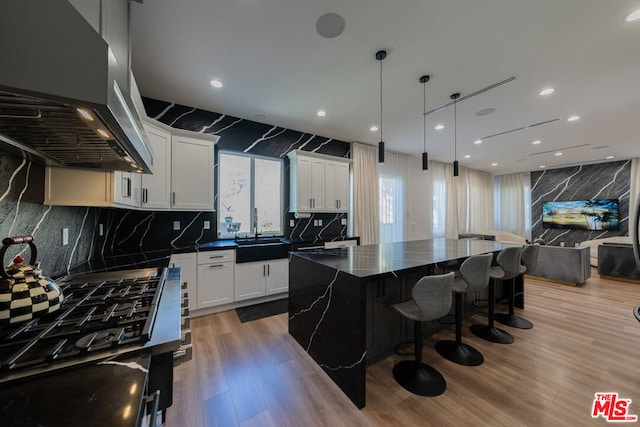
(250, 280)
(188, 267)
(191, 173)
(277, 279)
(215, 284)
(343, 187)
(154, 190)
(78, 187)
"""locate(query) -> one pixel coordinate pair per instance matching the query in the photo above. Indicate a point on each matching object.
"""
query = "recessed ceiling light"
(542, 166)
(558, 154)
(633, 16)
(536, 142)
(477, 141)
(321, 113)
(373, 128)
(439, 127)
(547, 91)
(610, 157)
(216, 83)
(573, 118)
(259, 116)
(494, 164)
(467, 156)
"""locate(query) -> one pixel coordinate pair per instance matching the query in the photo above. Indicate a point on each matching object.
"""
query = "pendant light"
(425, 155)
(455, 97)
(380, 56)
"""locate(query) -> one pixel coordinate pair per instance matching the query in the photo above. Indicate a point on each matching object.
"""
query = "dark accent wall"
(133, 230)
(22, 213)
(600, 181)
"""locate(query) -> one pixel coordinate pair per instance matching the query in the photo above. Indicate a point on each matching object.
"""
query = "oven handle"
(155, 398)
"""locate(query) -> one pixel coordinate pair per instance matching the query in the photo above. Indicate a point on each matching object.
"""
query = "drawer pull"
(216, 265)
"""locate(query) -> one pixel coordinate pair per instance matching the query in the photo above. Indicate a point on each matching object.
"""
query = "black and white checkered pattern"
(31, 295)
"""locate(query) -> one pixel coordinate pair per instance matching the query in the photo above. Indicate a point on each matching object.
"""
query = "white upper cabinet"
(153, 192)
(182, 177)
(318, 183)
(191, 173)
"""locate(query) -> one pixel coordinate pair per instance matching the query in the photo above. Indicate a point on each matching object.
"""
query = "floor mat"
(265, 309)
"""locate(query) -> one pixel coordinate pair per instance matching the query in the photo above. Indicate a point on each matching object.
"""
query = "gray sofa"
(566, 265)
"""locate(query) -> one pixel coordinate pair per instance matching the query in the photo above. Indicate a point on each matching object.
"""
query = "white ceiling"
(273, 63)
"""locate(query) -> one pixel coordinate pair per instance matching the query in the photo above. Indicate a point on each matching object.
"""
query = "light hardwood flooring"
(585, 340)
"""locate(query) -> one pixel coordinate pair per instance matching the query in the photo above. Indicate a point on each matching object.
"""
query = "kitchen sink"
(259, 241)
(262, 249)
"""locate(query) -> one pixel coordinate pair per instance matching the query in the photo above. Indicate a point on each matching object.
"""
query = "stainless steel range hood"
(65, 91)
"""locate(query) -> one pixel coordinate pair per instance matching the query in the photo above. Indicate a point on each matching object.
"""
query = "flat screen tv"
(594, 214)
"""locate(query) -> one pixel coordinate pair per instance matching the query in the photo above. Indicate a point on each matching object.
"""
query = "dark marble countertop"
(388, 258)
(109, 393)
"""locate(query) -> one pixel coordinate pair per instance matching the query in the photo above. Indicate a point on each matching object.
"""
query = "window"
(249, 196)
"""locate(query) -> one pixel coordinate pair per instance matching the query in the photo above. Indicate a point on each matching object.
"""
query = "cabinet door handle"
(310, 202)
(174, 197)
(216, 265)
(144, 195)
(264, 270)
(268, 269)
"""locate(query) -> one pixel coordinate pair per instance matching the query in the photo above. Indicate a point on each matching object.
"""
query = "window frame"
(219, 208)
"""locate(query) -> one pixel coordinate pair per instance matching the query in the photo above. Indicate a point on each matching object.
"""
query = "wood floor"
(585, 340)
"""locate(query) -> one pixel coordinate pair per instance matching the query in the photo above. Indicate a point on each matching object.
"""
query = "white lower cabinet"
(277, 279)
(260, 278)
(215, 278)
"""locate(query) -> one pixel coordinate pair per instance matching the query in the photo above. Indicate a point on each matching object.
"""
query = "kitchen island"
(339, 300)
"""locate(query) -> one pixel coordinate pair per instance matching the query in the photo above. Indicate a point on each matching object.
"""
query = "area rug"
(265, 309)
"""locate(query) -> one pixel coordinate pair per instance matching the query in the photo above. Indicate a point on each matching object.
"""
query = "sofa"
(505, 236)
(593, 244)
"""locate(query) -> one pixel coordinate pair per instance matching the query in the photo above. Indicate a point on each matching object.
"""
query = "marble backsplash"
(22, 213)
(599, 181)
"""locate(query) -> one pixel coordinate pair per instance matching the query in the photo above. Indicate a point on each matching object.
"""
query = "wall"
(599, 181)
(22, 213)
(129, 230)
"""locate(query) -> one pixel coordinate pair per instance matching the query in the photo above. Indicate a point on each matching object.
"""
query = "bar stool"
(431, 300)
(508, 267)
(474, 276)
(529, 261)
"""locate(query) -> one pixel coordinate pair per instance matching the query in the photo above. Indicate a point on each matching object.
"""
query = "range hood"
(65, 93)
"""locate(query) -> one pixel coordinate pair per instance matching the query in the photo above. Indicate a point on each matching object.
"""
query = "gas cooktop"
(103, 314)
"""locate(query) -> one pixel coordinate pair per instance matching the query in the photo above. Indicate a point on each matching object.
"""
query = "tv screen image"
(594, 214)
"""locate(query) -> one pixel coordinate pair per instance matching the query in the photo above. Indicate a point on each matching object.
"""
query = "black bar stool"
(529, 261)
(431, 300)
(508, 267)
(474, 276)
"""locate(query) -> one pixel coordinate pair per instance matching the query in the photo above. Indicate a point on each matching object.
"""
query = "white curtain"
(452, 202)
(439, 220)
(513, 203)
(634, 188)
(393, 208)
(365, 200)
(480, 201)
